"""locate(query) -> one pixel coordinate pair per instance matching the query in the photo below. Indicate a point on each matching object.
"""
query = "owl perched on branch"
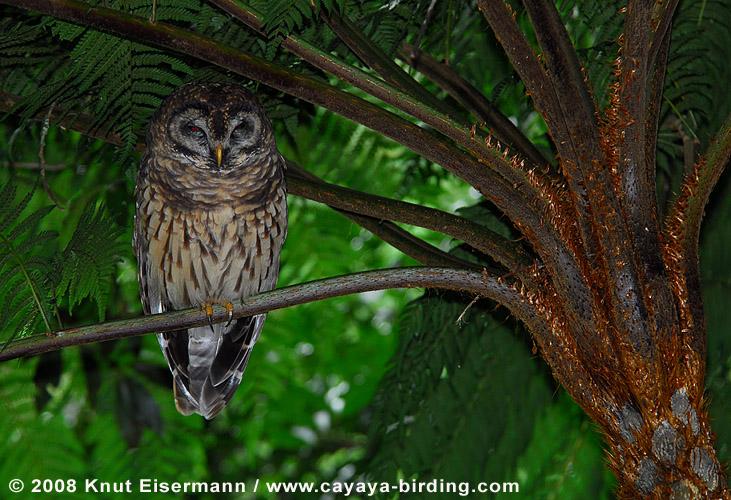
(210, 223)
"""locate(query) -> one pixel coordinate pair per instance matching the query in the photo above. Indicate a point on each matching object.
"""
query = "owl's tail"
(208, 366)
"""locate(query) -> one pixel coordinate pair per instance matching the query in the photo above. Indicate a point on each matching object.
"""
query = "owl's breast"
(221, 254)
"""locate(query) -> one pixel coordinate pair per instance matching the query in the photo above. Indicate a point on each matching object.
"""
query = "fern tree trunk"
(609, 291)
(634, 354)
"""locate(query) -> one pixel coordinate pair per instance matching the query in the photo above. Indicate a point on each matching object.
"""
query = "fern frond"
(446, 382)
(696, 85)
(25, 295)
(88, 261)
(282, 17)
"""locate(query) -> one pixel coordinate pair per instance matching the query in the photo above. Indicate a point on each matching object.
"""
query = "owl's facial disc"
(220, 139)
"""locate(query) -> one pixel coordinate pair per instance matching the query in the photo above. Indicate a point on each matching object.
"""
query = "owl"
(211, 218)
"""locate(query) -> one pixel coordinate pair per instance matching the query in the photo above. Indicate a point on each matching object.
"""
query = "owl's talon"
(230, 308)
(208, 309)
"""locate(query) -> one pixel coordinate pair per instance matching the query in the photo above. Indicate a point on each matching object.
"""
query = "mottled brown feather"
(206, 236)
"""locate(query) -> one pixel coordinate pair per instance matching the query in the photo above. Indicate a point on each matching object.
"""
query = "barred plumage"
(210, 223)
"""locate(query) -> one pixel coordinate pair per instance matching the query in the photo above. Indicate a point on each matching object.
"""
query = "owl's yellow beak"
(219, 155)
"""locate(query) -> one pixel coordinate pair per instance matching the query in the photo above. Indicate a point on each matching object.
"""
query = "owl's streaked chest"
(198, 255)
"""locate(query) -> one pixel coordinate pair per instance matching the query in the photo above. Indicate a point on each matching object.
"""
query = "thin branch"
(414, 247)
(509, 253)
(32, 165)
(682, 234)
(472, 282)
(373, 57)
(473, 100)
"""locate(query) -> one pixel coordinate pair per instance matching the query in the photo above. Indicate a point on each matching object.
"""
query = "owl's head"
(211, 127)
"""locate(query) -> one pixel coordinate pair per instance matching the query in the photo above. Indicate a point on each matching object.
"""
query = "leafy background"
(383, 385)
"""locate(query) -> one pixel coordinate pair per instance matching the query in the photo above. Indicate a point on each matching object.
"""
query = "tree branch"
(682, 234)
(473, 100)
(472, 282)
(506, 252)
(373, 57)
(414, 247)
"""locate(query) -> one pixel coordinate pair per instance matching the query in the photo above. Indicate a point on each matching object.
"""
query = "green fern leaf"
(446, 382)
(88, 261)
(25, 294)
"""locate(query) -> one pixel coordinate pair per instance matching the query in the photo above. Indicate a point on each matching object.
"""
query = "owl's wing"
(208, 366)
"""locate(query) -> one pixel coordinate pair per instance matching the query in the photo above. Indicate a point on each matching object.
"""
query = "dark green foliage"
(564, 459)
(595, 28)
(36, 278)
(696, 98)
(33, 445)
(25, 270)
(89, 259)
(461, 399)
(117, 82)
(282, 17)
(460, 402)
(716, 279)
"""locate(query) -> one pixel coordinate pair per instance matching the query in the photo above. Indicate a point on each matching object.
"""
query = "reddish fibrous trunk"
(611, 294)
(635, 361)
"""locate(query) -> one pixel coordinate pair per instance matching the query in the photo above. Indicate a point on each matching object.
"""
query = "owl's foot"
(207, 307)
(230, 309)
